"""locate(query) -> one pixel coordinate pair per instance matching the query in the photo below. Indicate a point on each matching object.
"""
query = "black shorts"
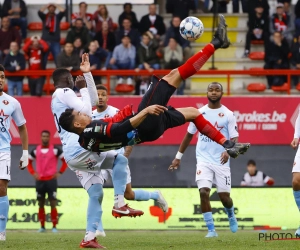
(159, 92)
(43, 187)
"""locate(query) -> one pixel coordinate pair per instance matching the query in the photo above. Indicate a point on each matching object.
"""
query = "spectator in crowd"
(46, 174)
(124, 57)
(68, 58)
(16, 11)
(180, 8)
(84, 15)
(173, 55)
(252, 4)
(295, 59)
(286, 7)
(255, 178)
(281, 21)
(78, 47)
(107, 41)
(14, 61)
(127, 30)
(221, 5)
(146, 52)
(78, 30)
(51, 29)
(236, 6)
(276, 57)
(258, 28)
(128, 14)
(10, 34)
(297, 17)
(100, 16)
(35, 48)
(173, 31)
(97, 55)
(153, 23)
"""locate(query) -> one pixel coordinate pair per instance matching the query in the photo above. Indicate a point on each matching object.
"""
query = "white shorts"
(208, 174)
(5, 166)
(88, 179)
(107, 175)
(296, 166)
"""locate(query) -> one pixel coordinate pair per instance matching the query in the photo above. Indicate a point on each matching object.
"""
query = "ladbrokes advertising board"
(255, 208)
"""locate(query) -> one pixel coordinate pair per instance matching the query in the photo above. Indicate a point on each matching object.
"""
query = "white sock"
(89, 236)
(119, 201)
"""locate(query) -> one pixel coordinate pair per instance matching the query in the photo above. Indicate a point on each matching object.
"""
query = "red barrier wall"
(261, 120)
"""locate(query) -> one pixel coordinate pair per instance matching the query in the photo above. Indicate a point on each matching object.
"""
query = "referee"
(46, 156)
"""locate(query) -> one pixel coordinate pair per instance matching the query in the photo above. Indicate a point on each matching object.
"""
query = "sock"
(94, 210)
(119, 179)
(54, 216)
(42, 216)
(89, 236)
(142, 195)
(4, 207)
(297, 199)
(206, 128)
(195, 63)
(229, 211)
(209, 221)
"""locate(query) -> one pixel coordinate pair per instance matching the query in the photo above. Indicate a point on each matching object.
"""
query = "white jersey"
(109, 112)
(257, 180)
(297, 126)
(224, 120)
(61, 100)
(10, 108)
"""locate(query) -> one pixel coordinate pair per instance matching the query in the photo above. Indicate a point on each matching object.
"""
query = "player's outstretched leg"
(229, 210)
(94, 214)
(195, 63)
(119, 179)
(296, 189)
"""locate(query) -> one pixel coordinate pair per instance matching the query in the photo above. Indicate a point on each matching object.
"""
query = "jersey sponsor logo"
(88, 130)
(3, 118)
(5, 102)
(218, 127)
(90, 144)
(221, 115)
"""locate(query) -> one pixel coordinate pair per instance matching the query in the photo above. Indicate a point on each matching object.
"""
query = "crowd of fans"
(126, 43)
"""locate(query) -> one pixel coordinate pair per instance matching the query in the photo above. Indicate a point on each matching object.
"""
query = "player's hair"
(99, 86)
(45, 131)
(58, 74)
(66, 120)
(2, 68)
(251, 162)
(216, 83)
(125, 4)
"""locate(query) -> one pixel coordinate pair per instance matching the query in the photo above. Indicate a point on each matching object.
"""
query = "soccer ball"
(191, 28)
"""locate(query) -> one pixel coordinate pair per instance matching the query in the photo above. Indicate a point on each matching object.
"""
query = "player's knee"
(225, 198)
(96, 190)
(3, 188)
(204, 193)
(129, 195)
(296, 183)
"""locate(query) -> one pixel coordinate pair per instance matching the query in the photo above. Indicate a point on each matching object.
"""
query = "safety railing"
(109, 73)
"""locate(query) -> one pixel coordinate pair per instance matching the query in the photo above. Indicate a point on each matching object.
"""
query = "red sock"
(206, 128)
(54, 216)
(42, 216)
(195, 63)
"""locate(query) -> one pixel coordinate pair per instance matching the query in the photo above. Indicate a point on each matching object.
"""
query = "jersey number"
(57, 124)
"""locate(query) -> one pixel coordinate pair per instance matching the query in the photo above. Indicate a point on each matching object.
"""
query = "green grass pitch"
(146, 240)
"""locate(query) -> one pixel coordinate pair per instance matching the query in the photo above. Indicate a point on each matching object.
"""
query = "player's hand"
(80, 82)
(36, 176)
(224, 157)
(175, 164)
(295, 143)
(156, 109)
(85, 66)
(57, 175)
(24, 160)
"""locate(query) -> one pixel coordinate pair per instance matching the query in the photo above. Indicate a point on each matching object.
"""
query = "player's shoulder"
(227, 111)
(7, 99)
(112, 109)
(203, 109)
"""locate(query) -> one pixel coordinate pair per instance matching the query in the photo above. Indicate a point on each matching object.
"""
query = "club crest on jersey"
(106, 116)
(5, 102)
(90, 164)
(294, 164)
(221, 114)
(198, 172)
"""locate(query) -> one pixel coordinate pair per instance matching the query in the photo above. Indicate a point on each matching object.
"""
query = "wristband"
(25, 152)
(179, 155)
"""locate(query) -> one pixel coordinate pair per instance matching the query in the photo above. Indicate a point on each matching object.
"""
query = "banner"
(261, 120)
(255, 208)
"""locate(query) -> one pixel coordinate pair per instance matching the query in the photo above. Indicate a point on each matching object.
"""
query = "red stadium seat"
(256, 87)
(64, 25)
(298, 86)
(49, 87)
(258, 55)
(257, 41)
(282, 88)
(62, 41)
(26, 88)
(35, 26)
(124, 88)
(50, 57)
(115, 26)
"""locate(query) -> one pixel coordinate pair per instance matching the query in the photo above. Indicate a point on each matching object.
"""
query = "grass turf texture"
(147, 240)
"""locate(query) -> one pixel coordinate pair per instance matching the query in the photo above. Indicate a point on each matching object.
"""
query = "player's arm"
(295, 141)
(128, 150)
(24, 139)
(268, 180)
(64, 165)
(191, 130)
(30, 166)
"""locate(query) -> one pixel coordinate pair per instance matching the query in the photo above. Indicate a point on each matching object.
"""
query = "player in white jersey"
(212, 160)
(10, 108)
(103, 111)
(87, 164)
(296, 167)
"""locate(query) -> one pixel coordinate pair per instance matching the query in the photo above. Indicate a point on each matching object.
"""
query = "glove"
(24, 160)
